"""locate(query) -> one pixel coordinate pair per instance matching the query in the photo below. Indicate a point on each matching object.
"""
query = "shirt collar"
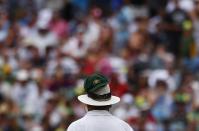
(98, 113)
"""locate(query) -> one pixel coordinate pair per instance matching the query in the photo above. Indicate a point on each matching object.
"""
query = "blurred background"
(149, 50)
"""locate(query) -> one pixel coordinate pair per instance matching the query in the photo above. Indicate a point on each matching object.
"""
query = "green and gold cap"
(95, 82)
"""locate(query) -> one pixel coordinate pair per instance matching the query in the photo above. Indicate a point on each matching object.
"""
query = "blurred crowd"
(149, 50)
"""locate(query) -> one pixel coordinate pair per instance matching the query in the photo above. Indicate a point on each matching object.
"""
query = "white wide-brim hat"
(88, 101)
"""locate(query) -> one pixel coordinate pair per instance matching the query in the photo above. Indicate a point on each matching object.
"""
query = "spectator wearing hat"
(22, 89)
(98, 101)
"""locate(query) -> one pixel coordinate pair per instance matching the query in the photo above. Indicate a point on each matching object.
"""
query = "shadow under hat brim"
(88, 101)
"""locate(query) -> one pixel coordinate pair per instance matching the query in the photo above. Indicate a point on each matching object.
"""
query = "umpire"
(98, 101)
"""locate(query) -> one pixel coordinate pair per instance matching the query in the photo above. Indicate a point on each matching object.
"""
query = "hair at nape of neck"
(90, 107)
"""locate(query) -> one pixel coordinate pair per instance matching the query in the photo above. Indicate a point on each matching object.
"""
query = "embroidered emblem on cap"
(95, 82)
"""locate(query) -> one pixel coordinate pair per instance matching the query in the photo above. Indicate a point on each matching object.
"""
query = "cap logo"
(95, 82)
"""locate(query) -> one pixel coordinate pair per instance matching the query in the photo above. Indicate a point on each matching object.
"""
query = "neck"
(90, 108)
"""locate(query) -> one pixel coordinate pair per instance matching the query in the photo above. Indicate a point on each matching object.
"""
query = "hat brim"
(88, 101)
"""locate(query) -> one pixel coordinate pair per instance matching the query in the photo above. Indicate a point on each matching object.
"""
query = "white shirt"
(99, 120)
(72, 48)
(41, 41)
(20, 93)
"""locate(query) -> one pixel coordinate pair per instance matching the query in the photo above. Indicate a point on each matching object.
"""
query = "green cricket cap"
(95, 82)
